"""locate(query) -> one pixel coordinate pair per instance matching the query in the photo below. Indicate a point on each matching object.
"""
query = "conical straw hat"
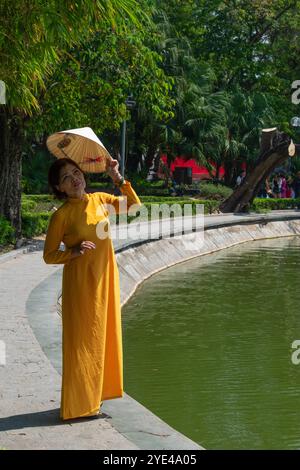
(81, 145)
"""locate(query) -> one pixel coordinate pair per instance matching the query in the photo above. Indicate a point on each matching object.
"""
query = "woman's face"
(71, 181)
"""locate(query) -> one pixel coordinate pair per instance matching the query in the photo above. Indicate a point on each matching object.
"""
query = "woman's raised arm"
(122, 203)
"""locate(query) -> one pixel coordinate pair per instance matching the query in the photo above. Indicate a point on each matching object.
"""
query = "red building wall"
(199, 172)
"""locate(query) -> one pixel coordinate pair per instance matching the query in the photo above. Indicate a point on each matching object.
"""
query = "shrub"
(37, 197)
(34, 224)
(151, 191)
(28, 205)
(6, 232)
(214, 191)
(161, 200)
(99, 185)
(39, 203)
(263, 204)
(209, 206)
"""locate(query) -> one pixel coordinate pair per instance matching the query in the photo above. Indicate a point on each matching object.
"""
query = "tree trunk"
(276, 147)
(267, 137)
(229, 167)
(10, 169)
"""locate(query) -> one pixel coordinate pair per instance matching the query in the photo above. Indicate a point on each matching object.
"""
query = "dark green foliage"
(260, 204)
(6, 232)
(35, 172)
(34, 224)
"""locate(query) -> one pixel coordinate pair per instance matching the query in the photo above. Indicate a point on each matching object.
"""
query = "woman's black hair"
(54, 173)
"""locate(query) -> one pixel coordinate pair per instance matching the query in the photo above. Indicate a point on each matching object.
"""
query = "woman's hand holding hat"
(113, 171)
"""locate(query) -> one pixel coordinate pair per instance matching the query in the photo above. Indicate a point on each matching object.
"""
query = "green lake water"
(207, 346)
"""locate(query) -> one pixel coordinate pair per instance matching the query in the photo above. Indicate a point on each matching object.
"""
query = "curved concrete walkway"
(30, 381)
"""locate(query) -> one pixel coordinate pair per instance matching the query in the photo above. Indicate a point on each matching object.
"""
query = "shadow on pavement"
(29, 420)
(40, 419)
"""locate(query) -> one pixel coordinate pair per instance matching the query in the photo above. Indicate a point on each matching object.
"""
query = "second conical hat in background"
(81, 145)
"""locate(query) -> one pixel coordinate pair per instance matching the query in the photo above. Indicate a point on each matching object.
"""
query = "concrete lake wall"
(137, 263)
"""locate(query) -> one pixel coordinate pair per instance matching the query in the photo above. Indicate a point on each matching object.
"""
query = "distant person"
(290, 193)
(276, 186)
(262, 192)
(296, 185)
(175, 189)
(283, 186)
(268, 189)
(240, 178)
